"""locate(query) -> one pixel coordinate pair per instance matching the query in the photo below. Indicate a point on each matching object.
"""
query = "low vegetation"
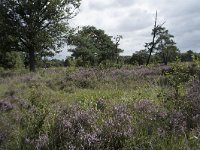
(96, 98)
(155, 107)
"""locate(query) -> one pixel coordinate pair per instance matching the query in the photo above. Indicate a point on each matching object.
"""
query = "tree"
(93, 46)
(12, 60)
(187, 57)
(150, 46)
(165, 45)
(139, 57)
(162, 43)
(35, 26)
(117, 40)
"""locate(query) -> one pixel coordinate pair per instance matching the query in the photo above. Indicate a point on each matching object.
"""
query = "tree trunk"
(148, 60)
(165, 58)
(153, 41)
(166, 61)
(32, 60)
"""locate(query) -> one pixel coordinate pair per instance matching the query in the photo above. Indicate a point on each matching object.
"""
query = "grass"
(88, 108)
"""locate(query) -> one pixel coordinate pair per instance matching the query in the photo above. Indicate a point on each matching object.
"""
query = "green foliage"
(70, 62)
(177, 76)
(91, 108)
(188, 56)
(139, 57)
(1, 69)
(93, 46)
(36, 26)
(163, 45)
(196, 60)
(12, 60)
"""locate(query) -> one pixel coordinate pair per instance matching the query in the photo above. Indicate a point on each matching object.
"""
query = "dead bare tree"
(151, 46)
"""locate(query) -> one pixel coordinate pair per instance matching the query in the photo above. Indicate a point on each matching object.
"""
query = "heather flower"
(165, 69)
(2, 137)
(145, 72)
(145, 106)
(41, 142)
(100, 104)
(161, 132)
(193, 94)
(77, 128)
(24, 104)
(177, 121)
(197, 131)
(28, 78)
(117, 128)
(162, 114)
(5, 105)
(193, 100)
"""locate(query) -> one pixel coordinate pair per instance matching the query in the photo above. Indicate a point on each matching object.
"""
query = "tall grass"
(153, 107)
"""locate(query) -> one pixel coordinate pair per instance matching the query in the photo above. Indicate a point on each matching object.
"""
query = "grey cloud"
(189, 41)
(99, 5)
(109, 4)
(124, 2)
(134, 20)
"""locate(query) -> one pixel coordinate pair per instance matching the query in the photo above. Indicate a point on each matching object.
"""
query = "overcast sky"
(134, 20)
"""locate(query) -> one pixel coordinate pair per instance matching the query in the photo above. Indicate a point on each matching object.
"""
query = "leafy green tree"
(139, 57)
(162, 42)
(93, 46)
(12, 60)
(35, 26)
(165, 45)
(187, 57)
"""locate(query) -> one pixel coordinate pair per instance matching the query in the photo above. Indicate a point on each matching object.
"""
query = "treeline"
(32, 32)
(16, 60)
(79, 58)
(140, 57)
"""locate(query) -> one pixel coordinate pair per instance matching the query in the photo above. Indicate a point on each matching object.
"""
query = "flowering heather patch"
(2, 137)
(145, 106)
(83, 73)
(41, 143)
(84, 78)
(193, 94)
(117, 129)
(177, 121)
(119, 109)
(123, 73)
(84, 129)
(76, 129)
(114, 73)
(28, 78)
(101, 105)
(24, 104)
(145, 71)
(5, 105)
(193, 98)
(152, 116)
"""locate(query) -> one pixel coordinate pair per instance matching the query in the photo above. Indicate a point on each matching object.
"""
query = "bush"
(13, 60)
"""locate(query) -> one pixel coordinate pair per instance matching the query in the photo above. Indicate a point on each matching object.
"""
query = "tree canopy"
(163, 44)
(139, 57)
(93, 45)
(35, 26)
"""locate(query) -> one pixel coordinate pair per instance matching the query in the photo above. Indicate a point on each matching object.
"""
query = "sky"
(134, 20)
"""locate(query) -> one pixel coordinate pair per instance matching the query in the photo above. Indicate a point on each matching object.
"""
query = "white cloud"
(134, 19)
